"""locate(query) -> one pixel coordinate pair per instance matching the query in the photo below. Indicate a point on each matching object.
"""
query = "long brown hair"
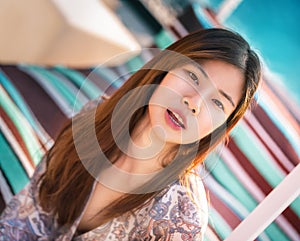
(66, 184)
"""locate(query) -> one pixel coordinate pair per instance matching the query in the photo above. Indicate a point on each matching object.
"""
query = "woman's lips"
(175, 119)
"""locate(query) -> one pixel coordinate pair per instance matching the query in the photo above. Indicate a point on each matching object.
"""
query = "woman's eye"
(194, 77)
(218, 104)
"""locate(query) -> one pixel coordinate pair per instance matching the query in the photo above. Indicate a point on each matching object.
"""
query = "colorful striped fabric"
(260, 153)
(35, 102)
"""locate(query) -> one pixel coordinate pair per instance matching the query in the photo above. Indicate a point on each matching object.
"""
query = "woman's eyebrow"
(228, 97)
(201, 69)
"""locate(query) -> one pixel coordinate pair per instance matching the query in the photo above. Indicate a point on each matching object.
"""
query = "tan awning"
(75, 33)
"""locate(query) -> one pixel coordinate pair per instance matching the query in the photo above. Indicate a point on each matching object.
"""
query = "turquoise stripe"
(260, 160)
(19, 121)
(217, 222)
(87, 86)
(134, 64)
(80, 95)
(11, 166)
(19, 101)
(295, 206)
(201, 16)
(257, 156)
(59, 86)
(228, 180)
(292, 137)
(163, 39)
(227, 198)
(276, 233)
(206, 238)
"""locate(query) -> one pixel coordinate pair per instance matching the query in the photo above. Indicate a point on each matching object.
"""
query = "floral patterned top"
(171, 215)
(174, 214)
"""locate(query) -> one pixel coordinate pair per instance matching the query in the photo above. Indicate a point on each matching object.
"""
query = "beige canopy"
(75, 33)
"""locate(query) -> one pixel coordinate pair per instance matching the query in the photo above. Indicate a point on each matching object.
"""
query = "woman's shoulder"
(23, 218)
(189, 196)
(183, 207)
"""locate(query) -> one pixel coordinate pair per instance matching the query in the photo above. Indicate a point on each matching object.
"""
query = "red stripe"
(274, 156)
(11, 126)
(285, 102)
(44, 108)
(230, 217)
(276, 134)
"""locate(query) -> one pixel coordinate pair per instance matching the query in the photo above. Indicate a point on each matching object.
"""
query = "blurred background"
(56, 56)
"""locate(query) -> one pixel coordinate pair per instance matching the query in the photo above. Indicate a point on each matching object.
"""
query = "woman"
(127, 169)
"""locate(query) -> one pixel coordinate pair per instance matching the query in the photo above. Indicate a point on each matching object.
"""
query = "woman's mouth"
(175, 119)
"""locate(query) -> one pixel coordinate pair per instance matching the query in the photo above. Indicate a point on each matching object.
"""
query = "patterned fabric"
(171, 215)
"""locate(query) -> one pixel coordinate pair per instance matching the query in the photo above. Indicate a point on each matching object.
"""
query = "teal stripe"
(201, 16)
(59, 86)
(275, 233)
(292, 136)
(80, 95)
(206, 238)
(295, 206)
(228, 180)
(134, 64)
(163, 39)
(19, 121)
(12, 168)
(19, 101)
(257, 156)
(217, 222)
(260, 160)
(235, 205)
(85, 85)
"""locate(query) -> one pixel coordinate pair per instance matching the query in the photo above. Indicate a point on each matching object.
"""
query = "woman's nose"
(193, 103)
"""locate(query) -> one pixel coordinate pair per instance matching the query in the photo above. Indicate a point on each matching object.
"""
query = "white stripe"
(225, 196)
(242, 175)
(40, 131)
(264, 152)
(270, 142)
(34, 143)
(280, 121)
(226, 9)
(52, 92)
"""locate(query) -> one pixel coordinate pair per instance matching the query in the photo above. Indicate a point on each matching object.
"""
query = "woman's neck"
(144, 150)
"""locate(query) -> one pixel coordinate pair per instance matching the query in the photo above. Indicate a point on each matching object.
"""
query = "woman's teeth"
(176, 118)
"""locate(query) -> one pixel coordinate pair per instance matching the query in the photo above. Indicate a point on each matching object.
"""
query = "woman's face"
(194, 100)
